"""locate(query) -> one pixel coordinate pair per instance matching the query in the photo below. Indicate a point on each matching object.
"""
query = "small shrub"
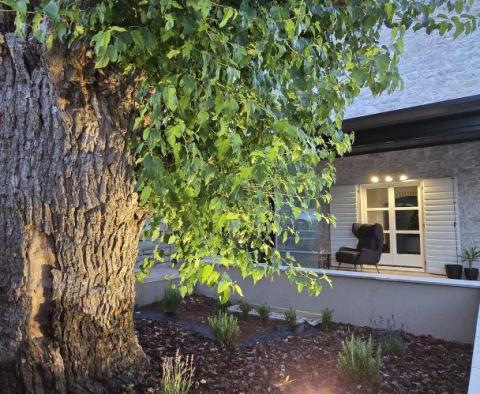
(245, 309)
(263, 312)
(327, 315)
(291, 318)
(391, 340)
(392, 344)
(225, 329)
(358, 363)
(388, 326)
(177, 374)
(172, 299)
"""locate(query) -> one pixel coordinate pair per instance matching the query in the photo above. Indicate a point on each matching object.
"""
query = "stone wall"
(461, 161)
(433, 69)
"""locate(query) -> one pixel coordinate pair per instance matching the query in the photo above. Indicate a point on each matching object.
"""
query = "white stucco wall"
(433, 69)
(443, 308)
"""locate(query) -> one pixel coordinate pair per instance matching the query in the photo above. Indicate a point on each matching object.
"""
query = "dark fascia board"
(412, 114)
(446, 122)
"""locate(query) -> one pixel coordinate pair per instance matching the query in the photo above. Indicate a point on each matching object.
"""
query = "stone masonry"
(433, 69)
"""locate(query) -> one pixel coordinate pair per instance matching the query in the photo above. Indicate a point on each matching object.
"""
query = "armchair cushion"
(347, 256)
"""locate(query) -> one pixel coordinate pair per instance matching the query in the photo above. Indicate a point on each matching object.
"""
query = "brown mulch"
(197, 309)
(302, 363)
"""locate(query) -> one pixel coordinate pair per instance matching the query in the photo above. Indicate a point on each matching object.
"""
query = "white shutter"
(344, 207)
(441, 244)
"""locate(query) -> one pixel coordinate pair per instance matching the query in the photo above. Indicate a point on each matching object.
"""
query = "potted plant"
(470, 255)
(454, 271)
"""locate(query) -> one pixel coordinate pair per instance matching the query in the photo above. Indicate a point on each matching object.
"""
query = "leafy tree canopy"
(240, 108)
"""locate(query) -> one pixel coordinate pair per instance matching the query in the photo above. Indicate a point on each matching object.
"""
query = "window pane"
(408, 244)
(386, 243)
(377, 198)
(378, 217)
(407, 220)
(406, 196)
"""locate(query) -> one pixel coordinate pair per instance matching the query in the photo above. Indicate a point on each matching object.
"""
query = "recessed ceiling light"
(388, 178)
(403, 177)
(374, 179)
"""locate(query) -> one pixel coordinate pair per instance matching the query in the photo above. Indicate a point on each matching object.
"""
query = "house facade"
(415, 164)
(429, 206)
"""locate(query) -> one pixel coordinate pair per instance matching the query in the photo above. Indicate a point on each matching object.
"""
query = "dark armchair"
(369, 247)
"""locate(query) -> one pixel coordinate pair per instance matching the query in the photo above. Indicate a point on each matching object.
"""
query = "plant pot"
(471, 273)
(454, 271)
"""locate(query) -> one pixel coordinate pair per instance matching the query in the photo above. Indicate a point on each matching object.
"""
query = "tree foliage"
(240, 108)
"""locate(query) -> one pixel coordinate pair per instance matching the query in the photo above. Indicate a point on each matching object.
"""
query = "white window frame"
(388, 259)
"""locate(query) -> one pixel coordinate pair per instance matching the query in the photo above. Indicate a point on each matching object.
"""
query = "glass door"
(397, 208)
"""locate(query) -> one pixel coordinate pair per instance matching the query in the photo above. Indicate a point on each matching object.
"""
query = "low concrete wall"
(152, 289)
(443, 308)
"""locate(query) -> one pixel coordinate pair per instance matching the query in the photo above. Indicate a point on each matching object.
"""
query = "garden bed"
(196, 309)
(300, 363)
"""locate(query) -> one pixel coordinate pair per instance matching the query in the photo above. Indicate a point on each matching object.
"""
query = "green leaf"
(172, 53)
(232, 74)
(203, 6)
(145, 195)
(227, 14)
(137, 38)
(459, 6)
(170, 98)
(101, 61)
(389, 9)
(175, 132)
(459, 27)
(207, 271)
(223, 286)
(52, 10)
(141, 276)
(296, 212)
(223, 145)
(238, 289)
(202, 117)
(146, 132)
(155, 234)
(36, 22)
(101, 40)
(290, 28)
(289, 129)
(158, 255)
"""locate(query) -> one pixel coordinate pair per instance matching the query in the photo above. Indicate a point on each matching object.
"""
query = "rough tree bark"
(69, 223)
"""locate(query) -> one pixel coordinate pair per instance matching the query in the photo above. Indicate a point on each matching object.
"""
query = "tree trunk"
(69, 223)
